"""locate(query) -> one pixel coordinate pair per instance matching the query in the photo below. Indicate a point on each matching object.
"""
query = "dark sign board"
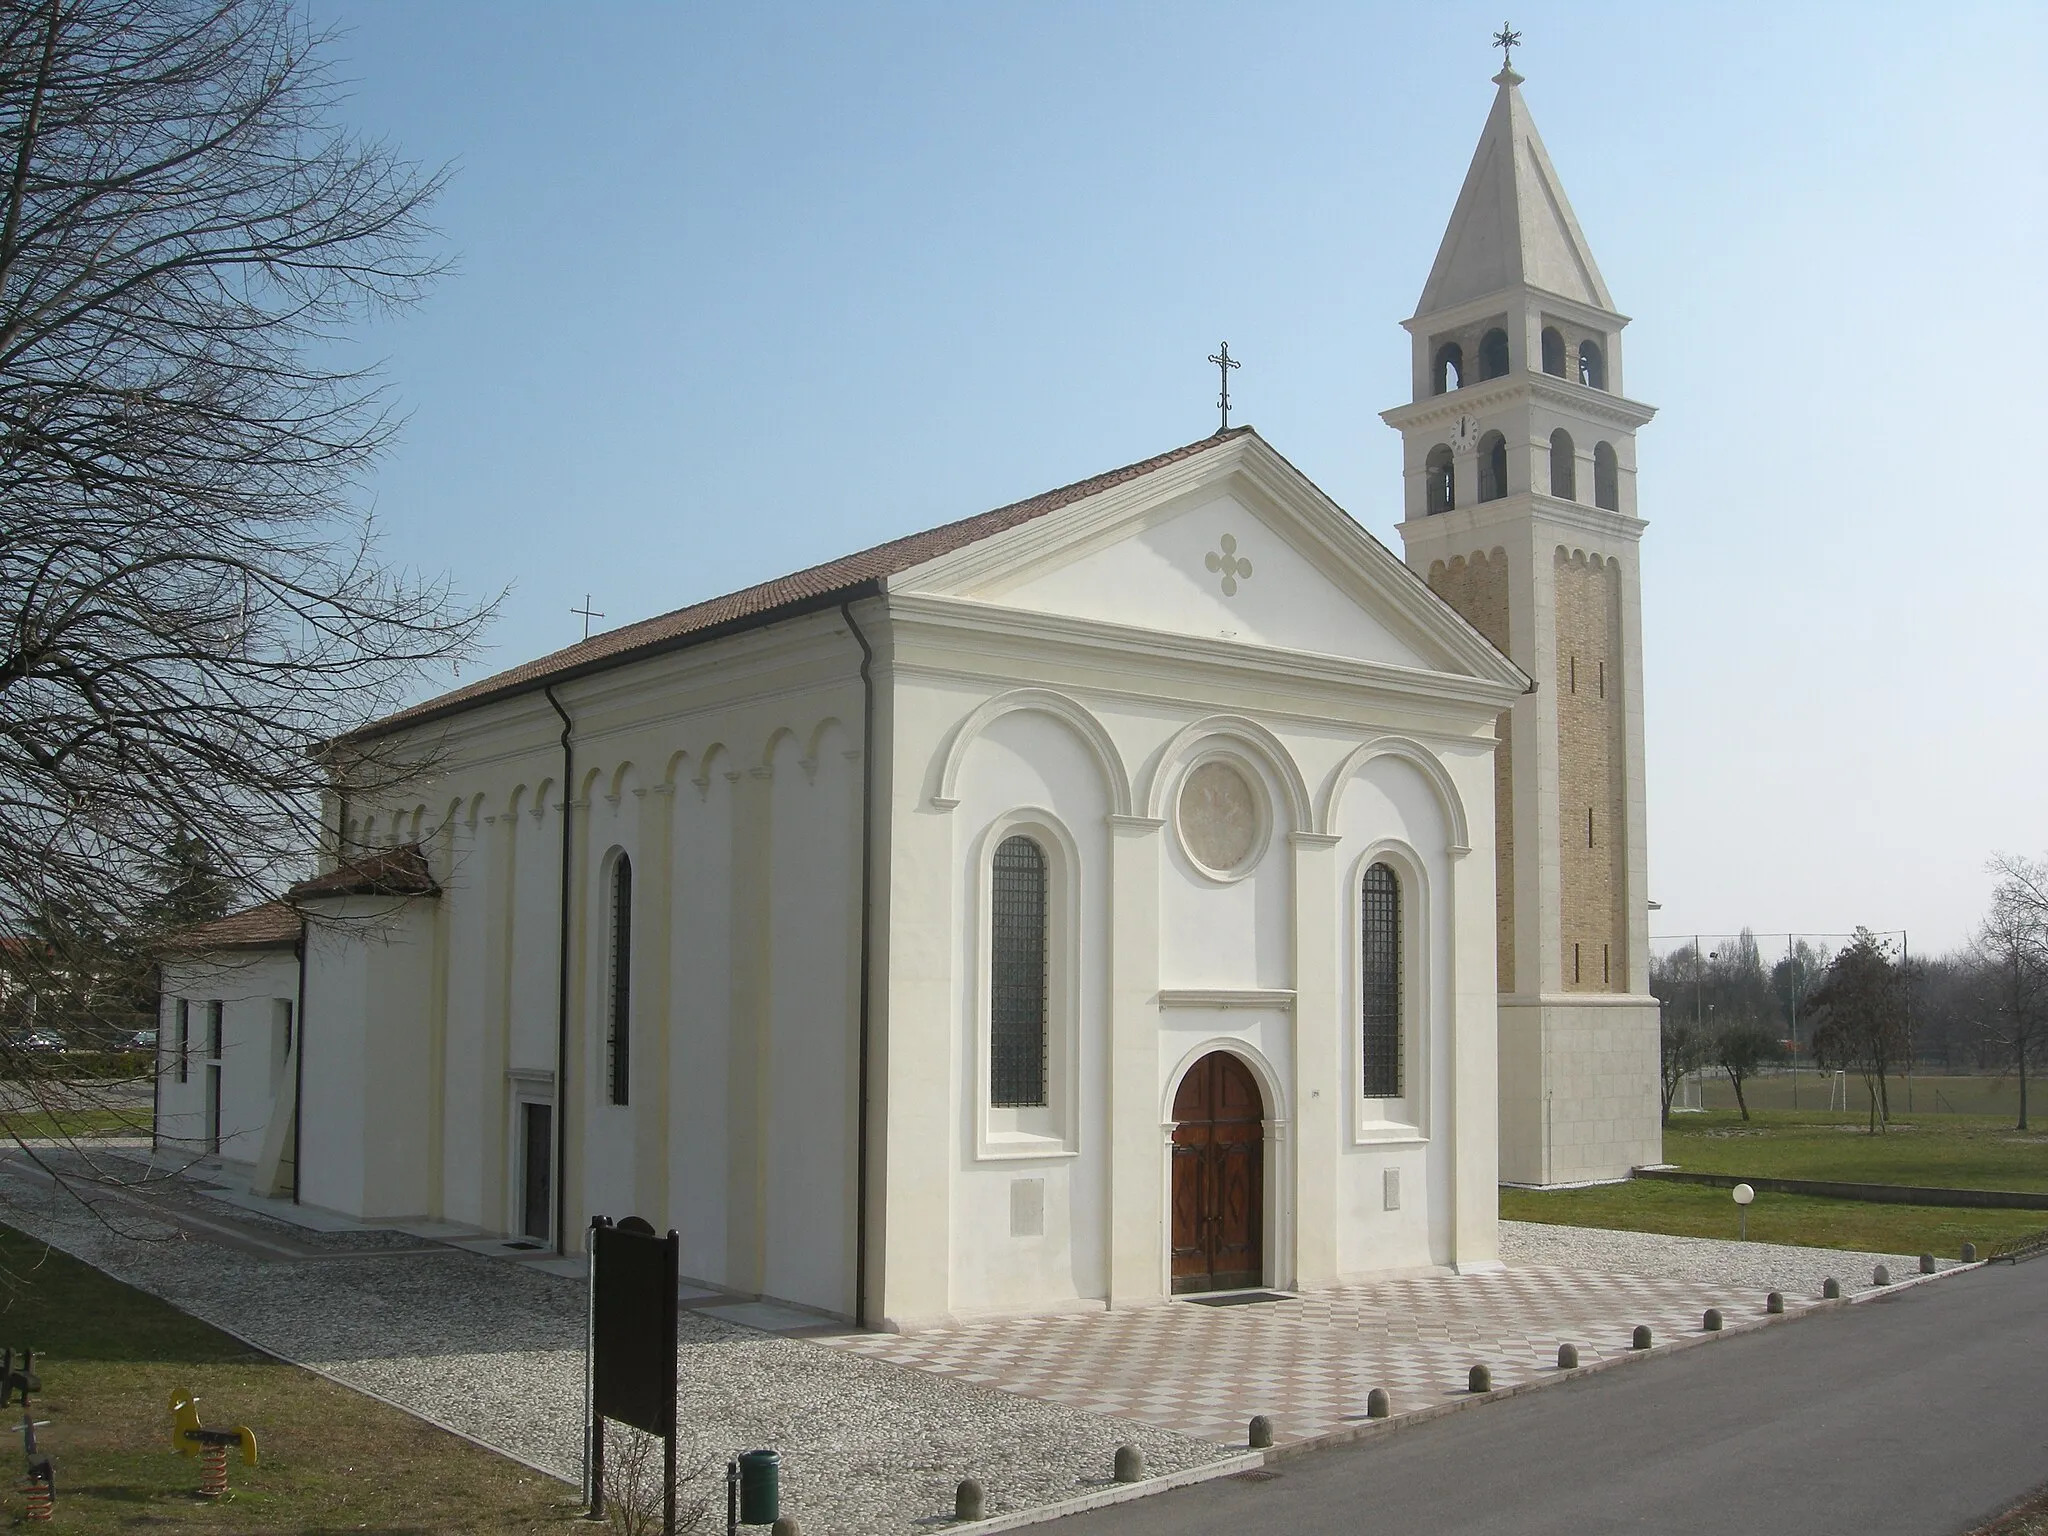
(634, 1276)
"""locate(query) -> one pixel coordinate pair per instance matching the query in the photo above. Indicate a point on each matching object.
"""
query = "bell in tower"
(1520, 511)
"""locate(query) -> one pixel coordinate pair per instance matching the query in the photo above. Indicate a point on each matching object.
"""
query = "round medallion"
(1219, 817)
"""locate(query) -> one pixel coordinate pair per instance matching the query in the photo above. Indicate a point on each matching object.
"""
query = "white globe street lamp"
(1743, 1195)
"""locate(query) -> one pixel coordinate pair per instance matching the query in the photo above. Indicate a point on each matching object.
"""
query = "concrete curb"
(1876, 1194)
(1115, 1493)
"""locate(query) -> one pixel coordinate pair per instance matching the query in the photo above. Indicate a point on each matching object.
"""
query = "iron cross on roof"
(1224, 363)
(1505, 40)
(586, 613)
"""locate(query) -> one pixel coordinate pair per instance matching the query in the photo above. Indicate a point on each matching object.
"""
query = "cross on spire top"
(1507, 39)
(1224, 363)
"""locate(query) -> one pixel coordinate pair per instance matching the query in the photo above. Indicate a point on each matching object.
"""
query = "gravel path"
(1751, 1266)
(493, 1349)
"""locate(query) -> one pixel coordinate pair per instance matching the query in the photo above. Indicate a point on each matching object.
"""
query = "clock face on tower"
(1464, 433)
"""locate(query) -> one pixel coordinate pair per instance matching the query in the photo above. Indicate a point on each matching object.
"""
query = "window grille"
(619, 1005)
(1380, 972)
(213, 1030)
(1017, 975)
(182, 1043)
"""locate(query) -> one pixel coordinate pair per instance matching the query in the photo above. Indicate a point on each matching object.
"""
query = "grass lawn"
(1694, 1210)
(109, 1357)
(1932, 1093)
(75, 1122)
(1952, 1151)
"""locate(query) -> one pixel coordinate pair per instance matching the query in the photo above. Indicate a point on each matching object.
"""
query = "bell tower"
(1520, 511)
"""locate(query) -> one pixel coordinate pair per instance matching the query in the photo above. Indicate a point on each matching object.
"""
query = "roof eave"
(871, 587)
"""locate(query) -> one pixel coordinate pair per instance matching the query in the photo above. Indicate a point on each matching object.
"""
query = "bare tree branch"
(192, 602)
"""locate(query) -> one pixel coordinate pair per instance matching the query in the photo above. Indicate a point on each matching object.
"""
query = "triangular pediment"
(1232, 544)
(1512, 224)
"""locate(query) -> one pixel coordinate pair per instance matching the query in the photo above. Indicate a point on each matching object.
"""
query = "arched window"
(1592, 366)
(1493, 467)
(1379, 970)
(1606, 477)
(618, 1014)
(1441, 478)
(1553, 351)
(1564, 468)
(1493, 354)
(1449, 368)
(1017, 975)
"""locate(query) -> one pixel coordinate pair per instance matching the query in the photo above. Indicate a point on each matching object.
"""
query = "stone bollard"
(1831, 1288)
(1261, 1437)
(1775, 1303)
(1567, 1357)
(1479, 1379)
(1926, 1263)
(1377, 1404)
(1711, 1323)
(784, 1525)
(1130, 1464)
(1969, 1253)
(1880, 1276)
(969, 1502)
(1641, 1339)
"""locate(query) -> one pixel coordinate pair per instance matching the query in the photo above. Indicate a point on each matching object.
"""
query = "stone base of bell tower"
(1579, 1096)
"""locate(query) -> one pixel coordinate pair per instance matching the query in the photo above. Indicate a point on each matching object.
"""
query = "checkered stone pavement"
(1307, 1362)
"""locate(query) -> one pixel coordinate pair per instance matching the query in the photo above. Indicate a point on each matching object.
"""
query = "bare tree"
(1744, 1037)
(1860, 1018)
(2012, 943)
(191, 600)
(1681, 1038)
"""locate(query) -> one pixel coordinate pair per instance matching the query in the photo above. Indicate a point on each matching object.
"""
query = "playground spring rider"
(189, 1438)
(39, 1486)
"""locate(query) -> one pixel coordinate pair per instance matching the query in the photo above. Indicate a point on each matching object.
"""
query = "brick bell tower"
(1520, 469)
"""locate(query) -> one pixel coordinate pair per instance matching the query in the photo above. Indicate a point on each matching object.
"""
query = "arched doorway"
(1219, 1175)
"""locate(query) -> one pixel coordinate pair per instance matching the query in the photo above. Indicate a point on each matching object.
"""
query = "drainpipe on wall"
(867, 838)
(562, 991)
(301, 949)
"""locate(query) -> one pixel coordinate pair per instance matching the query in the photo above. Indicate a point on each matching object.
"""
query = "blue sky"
(743, 287)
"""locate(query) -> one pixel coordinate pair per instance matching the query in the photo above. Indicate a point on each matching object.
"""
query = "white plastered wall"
(367, 1070)
(1173, 963)
(258, 993)
(730, 776)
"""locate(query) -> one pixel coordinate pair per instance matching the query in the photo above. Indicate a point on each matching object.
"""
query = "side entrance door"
(1219, 1165)
(536, 1167)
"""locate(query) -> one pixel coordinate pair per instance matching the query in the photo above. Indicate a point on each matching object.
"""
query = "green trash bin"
(760, 1487)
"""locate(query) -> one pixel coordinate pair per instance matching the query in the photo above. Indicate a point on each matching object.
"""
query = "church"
(1152, 886)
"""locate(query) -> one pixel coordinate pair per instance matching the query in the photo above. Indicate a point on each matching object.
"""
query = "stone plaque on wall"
(1219, 816)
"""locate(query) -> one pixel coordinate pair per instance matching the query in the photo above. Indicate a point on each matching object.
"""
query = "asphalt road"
(1923, 1414)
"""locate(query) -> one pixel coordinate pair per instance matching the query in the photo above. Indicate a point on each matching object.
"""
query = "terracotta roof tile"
(272, 925)
(801, 591)
(395, 872)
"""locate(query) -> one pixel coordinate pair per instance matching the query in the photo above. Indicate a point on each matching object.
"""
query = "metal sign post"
(634, 1277)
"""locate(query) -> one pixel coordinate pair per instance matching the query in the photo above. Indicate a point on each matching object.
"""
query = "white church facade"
(1152, 886)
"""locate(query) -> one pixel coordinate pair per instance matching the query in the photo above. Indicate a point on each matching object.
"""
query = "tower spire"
(1512, 224)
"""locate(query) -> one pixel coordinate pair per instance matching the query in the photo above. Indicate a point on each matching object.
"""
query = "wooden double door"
(1219, 1167)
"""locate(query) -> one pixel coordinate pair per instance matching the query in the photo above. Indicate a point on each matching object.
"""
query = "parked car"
(40, 1040)
(141, 1040)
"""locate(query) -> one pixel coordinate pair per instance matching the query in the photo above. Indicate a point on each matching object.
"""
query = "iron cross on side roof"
(586, 613)
(1224, 363)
